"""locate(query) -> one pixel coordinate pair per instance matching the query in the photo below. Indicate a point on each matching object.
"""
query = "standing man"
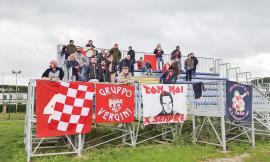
(177, 54)
(175, 65)
(116, 54)
(92, 70)
(195, 60)
(104, 73)
(189, 66)
(131, 52)
(127, 62)
(71, 48)
(159, 55)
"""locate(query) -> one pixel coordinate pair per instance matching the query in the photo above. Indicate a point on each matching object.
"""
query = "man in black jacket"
(92, 70)
(195, 60)
(104, 73)
(131, 52)
(127, 62)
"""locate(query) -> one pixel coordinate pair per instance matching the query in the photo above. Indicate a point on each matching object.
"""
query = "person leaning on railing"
(53, 73)
(125, 77)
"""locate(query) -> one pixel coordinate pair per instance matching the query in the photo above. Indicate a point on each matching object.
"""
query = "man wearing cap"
(53, 73)
(125, 77)
(116, 54)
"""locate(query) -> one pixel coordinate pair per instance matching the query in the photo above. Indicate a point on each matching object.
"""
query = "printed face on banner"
(63, 108)
(238, 102)
(114, 103)
(164, 103)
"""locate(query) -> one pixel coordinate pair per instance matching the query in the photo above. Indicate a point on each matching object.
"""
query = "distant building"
(8, 94)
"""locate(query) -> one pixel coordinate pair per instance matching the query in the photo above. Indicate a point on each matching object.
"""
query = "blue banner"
(238, 102)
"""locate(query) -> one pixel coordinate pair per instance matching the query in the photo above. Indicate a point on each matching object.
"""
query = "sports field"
(12, 149)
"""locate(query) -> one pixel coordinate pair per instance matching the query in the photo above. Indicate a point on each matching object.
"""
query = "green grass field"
(12, 149)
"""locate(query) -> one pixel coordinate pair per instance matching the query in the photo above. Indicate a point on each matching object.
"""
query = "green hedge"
(12, 107)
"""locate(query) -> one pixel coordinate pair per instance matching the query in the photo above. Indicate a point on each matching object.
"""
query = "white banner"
(164, 103)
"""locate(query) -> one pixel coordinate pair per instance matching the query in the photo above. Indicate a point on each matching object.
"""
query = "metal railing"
(205, 65)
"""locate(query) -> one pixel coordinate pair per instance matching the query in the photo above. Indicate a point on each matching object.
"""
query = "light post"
(3, 91)
(16, 74)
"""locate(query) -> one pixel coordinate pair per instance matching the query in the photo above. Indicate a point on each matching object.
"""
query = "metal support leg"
(223, 133)
(79, 145)
(194, 128)
(253, 140)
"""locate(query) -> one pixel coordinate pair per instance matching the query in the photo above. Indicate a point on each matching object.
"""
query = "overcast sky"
(237, 31)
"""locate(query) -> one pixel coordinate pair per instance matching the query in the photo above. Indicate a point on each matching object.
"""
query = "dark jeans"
(175, 77)
(189, 75)
(194, 71)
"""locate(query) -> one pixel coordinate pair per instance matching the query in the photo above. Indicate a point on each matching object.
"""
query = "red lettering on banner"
(165, 119)
(182, 117)
(115, 90)
(155, 119)
(146, 120)
(159, 89)
(108, 116)
(176, 89)
(176, 118)
(153, 89)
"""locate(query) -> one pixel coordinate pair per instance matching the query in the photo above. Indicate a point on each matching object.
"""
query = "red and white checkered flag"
(67, 109)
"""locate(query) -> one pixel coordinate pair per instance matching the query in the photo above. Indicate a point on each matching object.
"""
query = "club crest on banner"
(239, 102)
(115, 104)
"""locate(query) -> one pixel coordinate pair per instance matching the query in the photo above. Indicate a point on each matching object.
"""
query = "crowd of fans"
(107, 65)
